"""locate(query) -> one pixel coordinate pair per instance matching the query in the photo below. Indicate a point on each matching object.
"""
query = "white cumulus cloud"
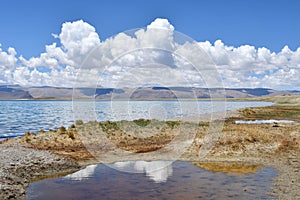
(78, 38)
(150, 56)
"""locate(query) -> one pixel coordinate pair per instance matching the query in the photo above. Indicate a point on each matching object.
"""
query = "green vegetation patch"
(142, 122)
(173, 124)
(109, 126)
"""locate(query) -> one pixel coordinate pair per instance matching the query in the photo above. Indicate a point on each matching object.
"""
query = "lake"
(18, 117)
(158, 180)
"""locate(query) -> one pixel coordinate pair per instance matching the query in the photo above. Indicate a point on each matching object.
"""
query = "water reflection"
(228, 167)
(158, 171)
(82, 174)
(181, 180)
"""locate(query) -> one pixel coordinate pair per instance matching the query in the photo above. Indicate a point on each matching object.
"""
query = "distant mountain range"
(9, 92)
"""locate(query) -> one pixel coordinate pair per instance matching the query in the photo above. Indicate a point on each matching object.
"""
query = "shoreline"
(140, 99)
(35, 156)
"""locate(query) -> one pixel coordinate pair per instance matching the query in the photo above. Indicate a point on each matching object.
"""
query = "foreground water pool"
(159, 180)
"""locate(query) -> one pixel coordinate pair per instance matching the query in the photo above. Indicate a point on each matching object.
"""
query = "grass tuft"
(173, 124)
(78, 122)
(142, 122)
(62, 130)
(109, 126)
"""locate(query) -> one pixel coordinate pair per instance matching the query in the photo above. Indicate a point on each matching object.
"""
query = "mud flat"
(55, 152)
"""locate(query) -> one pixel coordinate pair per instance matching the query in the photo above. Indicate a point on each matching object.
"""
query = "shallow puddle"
(159, 180)
(269, 121)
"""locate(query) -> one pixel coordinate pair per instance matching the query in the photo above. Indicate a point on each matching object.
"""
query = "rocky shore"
(57, 152)
(20, 165)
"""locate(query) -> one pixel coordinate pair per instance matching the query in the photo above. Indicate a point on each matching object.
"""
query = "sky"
(259, 37)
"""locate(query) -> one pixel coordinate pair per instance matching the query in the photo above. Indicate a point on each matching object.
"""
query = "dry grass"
(285, 107)
(62, 141)
(251, 139)
(235, 139)
(280, 111)
(142, 136)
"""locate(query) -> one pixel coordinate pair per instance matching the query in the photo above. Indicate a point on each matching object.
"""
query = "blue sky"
(27, 25)
(251, 43)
